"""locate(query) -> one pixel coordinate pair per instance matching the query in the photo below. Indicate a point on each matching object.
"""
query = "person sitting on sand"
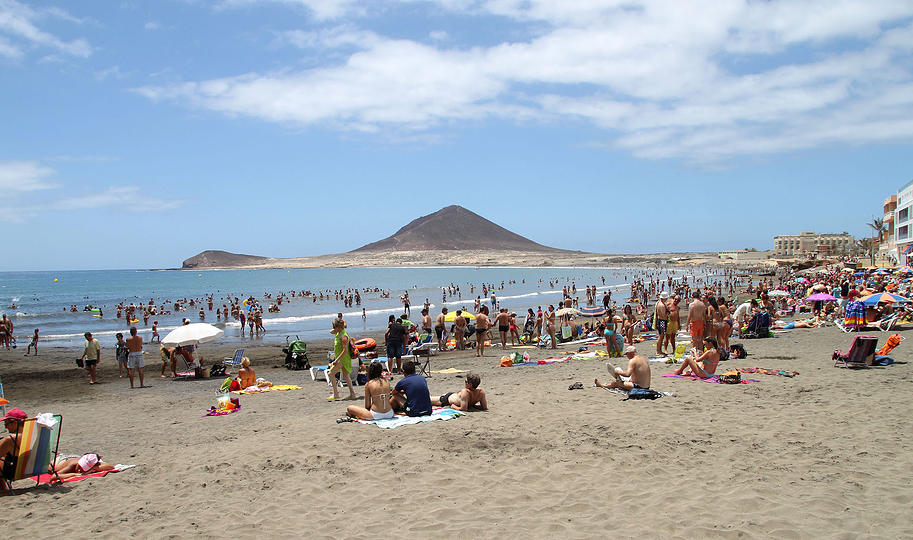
(75, 466)
(638, 371)
(411, 393)
(703, 366)
(377, 397)
(12, 421)
(470, 397)
(246, 377)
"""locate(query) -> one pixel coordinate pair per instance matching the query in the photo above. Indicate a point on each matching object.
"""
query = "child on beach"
(120, 352)
(155, 332)
(33, 343)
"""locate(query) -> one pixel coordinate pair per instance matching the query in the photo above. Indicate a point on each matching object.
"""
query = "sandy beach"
(824, 454)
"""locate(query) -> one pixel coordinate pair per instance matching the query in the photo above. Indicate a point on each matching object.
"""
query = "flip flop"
(331, 398)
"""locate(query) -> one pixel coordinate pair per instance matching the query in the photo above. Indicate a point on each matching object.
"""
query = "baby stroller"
(758, 327)
(296, 355)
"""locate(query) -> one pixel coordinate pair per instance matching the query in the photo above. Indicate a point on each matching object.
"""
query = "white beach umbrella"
(777, 292)
(192, 334)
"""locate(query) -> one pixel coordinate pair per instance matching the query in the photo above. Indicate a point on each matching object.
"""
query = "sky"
(137, 134)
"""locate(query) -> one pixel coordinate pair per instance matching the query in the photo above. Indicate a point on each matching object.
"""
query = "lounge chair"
(234, 360)
(36, 452)
(887, 323)
(861, 353)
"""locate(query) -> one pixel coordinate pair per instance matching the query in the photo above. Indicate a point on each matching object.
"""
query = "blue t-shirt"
(418, 399)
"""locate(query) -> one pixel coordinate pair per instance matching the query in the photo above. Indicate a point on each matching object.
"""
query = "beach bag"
(353, 352)
(724, 355)
(643, 393)
(566, 332)
(731, 377)
(737, 351)
(506, 361)
(217, 370)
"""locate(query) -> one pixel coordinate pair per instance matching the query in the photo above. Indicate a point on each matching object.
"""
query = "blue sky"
(136, 134)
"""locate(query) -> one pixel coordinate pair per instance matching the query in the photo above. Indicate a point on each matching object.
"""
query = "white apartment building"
(808, 243)
(903, 224)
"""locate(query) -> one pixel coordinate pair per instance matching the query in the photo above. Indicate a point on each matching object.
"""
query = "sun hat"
(630, 349)
(87, 461)
(663, 295)
(14, 414)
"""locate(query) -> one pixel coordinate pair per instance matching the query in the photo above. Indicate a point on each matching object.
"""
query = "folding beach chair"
(35, 452)
(3, 400)
(860, 355)
(236, 359)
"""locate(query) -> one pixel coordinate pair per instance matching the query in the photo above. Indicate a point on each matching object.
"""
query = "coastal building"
(887, 250)
(903, 225)
(809, 243)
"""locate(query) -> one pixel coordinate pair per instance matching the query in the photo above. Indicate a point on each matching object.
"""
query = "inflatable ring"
(364, 344)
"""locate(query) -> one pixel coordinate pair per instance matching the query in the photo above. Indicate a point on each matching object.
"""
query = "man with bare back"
(503, 322)
(697, 313)
(482, 325)
(470, 397)
(662, 323)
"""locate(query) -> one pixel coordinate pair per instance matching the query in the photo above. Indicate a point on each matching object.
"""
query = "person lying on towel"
(74, 466)
(470, 397)
(377, 397)
(702, 366)
(638, 371)
(411, 393)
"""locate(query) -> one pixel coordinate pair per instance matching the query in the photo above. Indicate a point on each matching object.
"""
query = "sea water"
(43, 299)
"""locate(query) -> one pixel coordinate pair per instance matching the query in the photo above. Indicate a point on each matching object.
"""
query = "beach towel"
(543, 362)
(264, 389)
(218, 412)
(403, 420)
(449, 371)
(627, 395)
(714, 379)
(854, 315)
(765, 371)
(46, 478)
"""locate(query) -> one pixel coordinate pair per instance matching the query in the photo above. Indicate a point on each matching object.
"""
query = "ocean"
(43, 299)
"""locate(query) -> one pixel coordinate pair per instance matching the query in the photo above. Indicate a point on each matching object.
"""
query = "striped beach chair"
(36, 452)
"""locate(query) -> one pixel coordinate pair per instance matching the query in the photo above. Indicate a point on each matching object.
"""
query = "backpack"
(737, 351)
(217, 369)
(731, 377)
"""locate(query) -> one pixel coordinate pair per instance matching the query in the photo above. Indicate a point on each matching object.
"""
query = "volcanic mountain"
(221, 259)
(453, 228)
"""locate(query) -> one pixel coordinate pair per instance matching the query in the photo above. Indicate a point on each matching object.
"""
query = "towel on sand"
(263, 389)
(403, 420)
(714, 379)
(47, 478)
(449, 371)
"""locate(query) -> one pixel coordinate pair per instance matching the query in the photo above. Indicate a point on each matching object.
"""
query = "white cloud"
(113, 72)
(319, 9)
(16, 176)
(20, 178)
(152, 25)
(704, 80)
(125, 198)
(19, 29)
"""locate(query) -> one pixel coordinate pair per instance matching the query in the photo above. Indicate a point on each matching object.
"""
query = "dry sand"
(825, 454)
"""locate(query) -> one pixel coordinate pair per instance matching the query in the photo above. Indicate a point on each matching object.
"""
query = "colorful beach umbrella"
(592, 311)
(884, 297)
(450, 317)
(566, 311)
(820, 297)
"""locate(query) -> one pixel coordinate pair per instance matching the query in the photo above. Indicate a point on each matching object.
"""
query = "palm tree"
(879, 228)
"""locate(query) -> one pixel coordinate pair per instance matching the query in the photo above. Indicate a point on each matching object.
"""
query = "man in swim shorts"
(638, 371)
(92, 356)
(135, 356)
(471, 396)
(697, 313)
(662, 323)
(439, 328)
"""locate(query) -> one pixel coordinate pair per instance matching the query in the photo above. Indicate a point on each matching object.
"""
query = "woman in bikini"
(703, 366)
(627, 326)
(377, 397)
(550, 325)
(609, 332)
(726, 330)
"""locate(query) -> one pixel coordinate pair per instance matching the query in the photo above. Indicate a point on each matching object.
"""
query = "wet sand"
(826, 454)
